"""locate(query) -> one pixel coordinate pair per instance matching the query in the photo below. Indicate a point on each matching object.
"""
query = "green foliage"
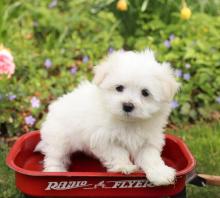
(71, 31)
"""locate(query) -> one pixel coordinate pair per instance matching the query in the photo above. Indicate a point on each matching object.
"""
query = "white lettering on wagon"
(67, 185)
(132, 184)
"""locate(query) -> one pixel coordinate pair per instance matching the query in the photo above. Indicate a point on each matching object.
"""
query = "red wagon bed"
(88, 178)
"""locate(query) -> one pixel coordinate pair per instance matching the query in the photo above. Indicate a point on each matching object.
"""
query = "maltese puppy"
(119, 118)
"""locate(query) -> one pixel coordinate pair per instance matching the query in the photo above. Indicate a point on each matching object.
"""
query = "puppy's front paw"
(162, 175)
(123, 168)
(54, 169)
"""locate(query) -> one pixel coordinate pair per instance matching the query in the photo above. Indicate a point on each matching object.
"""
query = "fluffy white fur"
(91, 118)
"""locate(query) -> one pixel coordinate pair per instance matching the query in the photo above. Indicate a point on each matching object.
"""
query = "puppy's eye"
(145, 92)
(119, 88)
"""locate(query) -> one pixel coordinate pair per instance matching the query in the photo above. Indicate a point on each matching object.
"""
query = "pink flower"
(7, 65)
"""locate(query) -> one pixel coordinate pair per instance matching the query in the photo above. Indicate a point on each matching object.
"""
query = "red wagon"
(88, 178)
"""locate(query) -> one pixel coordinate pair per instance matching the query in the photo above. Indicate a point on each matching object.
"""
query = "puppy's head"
(134, 85)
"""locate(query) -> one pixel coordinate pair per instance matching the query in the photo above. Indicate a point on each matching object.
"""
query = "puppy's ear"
(100, 72)
(169, 85)
(149, 54)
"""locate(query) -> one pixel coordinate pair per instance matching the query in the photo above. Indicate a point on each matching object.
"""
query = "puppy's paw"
(162, 175)
(54, 169)
(123, 168)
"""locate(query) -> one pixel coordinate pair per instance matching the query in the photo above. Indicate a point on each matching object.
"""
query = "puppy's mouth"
(132, 116)
(129, 117)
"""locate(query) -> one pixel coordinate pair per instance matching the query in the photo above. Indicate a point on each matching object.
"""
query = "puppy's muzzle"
(128, 107)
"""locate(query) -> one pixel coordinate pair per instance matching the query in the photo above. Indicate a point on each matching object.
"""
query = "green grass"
(202, 139)
(7, 182)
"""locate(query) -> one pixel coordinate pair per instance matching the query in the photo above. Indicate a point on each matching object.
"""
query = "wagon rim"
(191, 162)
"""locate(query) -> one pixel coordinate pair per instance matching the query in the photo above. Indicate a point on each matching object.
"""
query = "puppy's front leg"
(152, 164)
(117, 159)
(56, 160)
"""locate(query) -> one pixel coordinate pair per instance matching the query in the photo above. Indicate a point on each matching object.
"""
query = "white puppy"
(119, 117)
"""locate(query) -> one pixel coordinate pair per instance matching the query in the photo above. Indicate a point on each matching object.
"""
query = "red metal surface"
(88, 178)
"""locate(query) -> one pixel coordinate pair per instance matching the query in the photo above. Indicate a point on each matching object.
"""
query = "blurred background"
(47, 47)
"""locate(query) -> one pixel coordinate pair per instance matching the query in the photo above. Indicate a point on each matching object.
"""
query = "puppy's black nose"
(128, 107)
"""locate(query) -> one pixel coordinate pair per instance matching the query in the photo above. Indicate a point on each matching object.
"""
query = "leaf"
(144, 5)
(185, 109)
